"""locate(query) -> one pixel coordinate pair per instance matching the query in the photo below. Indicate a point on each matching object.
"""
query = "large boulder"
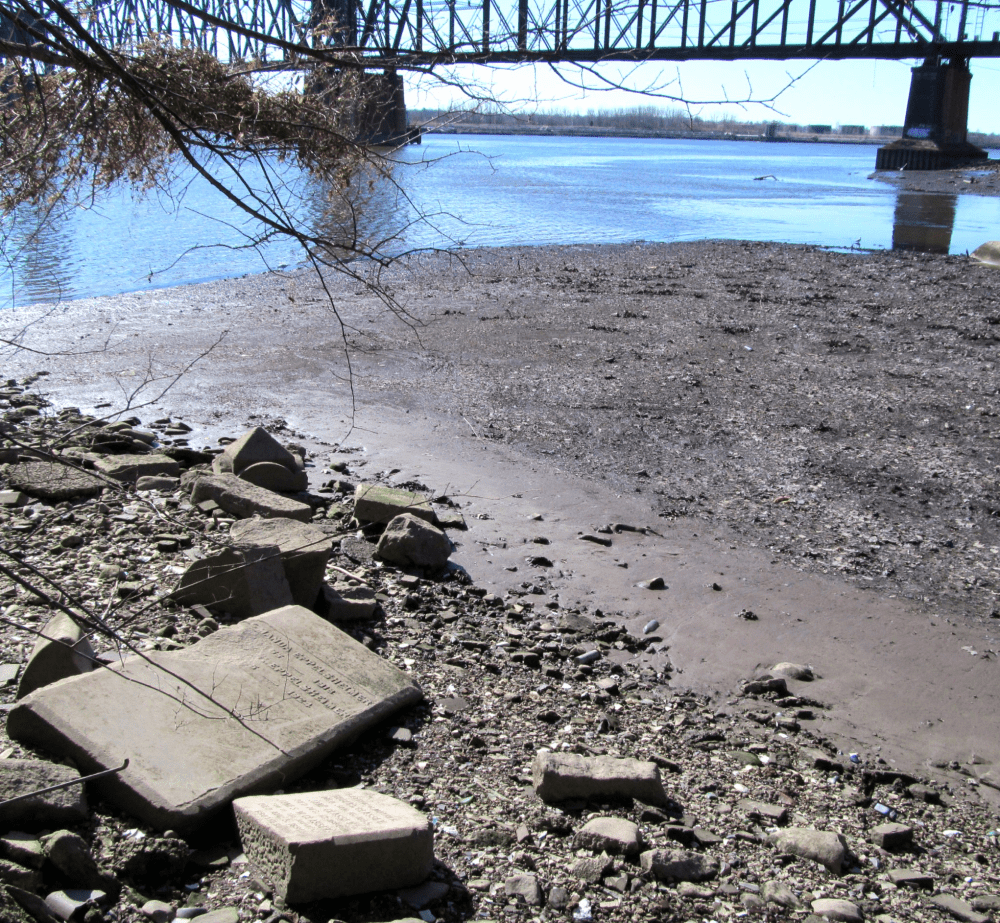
(411, 542)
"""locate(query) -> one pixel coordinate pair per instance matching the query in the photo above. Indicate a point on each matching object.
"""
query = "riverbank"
(813, 432)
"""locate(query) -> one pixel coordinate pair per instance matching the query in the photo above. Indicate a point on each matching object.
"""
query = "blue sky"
(831, 92)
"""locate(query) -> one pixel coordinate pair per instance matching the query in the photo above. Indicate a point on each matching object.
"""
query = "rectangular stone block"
(374, 503)
(243, 499)
(327, 844)
(562, 776)
(241, 712)
(133, 467)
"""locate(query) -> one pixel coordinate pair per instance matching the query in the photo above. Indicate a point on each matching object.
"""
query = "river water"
(479, 190)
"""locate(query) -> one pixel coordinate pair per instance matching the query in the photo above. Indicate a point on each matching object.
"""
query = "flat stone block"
(53, 809)
(559, 776)
(334, 843)
(133, 467)
(244, 580)
(892, 836)
(347, 603)
(61, 650)
(247, 709)
(243, 499)
(373, 503)
(53, 481)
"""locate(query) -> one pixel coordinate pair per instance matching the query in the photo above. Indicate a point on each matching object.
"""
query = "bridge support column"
(381, 114)
(935, 134)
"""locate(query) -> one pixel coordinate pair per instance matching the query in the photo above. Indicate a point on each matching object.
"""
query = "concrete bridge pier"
(935, 133)
(377, 113)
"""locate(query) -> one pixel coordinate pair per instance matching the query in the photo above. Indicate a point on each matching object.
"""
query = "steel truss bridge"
(400, 33)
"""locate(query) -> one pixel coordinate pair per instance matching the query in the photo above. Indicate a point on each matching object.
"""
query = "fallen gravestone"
(246, 709)
(133, 467)
(244, 580)
(243, 499)
(61, 650)
(316, 845)
(53, 481)
(561, 776)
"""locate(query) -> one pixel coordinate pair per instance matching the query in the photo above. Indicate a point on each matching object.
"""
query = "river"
(487, 190)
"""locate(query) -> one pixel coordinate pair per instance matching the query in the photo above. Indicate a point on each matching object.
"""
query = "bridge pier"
(935, 133)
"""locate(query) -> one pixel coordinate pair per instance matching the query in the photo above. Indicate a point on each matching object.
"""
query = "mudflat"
(807, 436)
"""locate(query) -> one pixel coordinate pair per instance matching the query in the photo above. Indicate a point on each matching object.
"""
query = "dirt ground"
(813, 432)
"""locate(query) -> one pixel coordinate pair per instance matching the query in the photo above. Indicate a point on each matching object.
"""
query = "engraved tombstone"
(318, 845)
(243, 711)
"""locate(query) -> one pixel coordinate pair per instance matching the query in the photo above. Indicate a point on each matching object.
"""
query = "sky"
(828, 92)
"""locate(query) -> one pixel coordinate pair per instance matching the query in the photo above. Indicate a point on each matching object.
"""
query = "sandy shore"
(814, 433)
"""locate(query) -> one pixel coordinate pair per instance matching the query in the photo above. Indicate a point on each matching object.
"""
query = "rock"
(132, 467)
(911, 878)
(336, 843)
(679, 865)
(656, 583)
(610, 834)
(20, 906)
(151, 860)
(347, 603)
(764, 686)
(832, 909)
(253, 447)
(411, 542)
(20, 877)
(770, 814)
(61, 650)
(423, 895)
(374, 503)
(158, 911)
(818, 759)
(777, 892)
(358, 549)
(752, 903)
(450, 519)
(157, 482)
(244, 500)
(244, 580)
(560, 776)
(13, 498)
(525, 887)
(825, 847)
(272, 476)
(924, 793)
(222, 915)
(53, 481)
(595, 539)
(287, 688)
(53, 809)
(959, 909)
(22, 848)
(797, 671)
(986, 903)
(558, 898)
(68, 852)
(73, 903)
(892, 836)
(591, 869)
(305, 550)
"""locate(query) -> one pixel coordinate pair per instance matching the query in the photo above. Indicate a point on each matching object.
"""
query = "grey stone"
(68, 852)
(334, 843)
(255, 446)
(244, 499)
(525, 887)
(358, 549)
(679, 865)
(222, 915)
(825, 847)
(959, 909)
(273, 476)
(53, 481)
(20, 777)
(374, 503)
(157, 482)
(133, 467)
(591, 869)
(450, 519)
(777, 892)
(558, 898)
(924, 793)
(424, 895)
(752, 903)
(61, 650)
(831, 908)
(20, 877)
(986, 903)
(251, 706)
(799, 671)
(411, 542)
(20, 906)
(561, 776)
(770, 814)
(72, 903)
(158, 911)
(13, 498)
(348, 603)
(818, 759)
(22, 848)
(892, 836)
(243, 580)
(610, 834)
(305, 550)
(911, 878)
(765, 685)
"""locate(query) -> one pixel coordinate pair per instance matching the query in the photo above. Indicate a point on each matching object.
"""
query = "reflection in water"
(923, 221)
(36, 252)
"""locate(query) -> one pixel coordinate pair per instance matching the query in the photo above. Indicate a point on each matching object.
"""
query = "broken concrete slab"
(374, 503)
(243, 580)
(347, 603)
(411, 542)
(53, 809)
(257, 445)
(317, 845)
(243, 499)
(62, 649)
(277, 477)
(133, 467)
(248, 708)
(53, 480)
(305, 550)
(561, 776)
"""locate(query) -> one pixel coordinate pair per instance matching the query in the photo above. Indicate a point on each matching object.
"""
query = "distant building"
(820, 129)
(887, 131)
(853, 130)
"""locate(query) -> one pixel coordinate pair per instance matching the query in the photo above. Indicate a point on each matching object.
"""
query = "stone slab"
(256, 445)
(317, 845)
(243, 499)
(561, 776)
(53, 481)
(287, 688)
(133, 467)
(243, 580)
(61, 650)
(374, 503)
(53, 809)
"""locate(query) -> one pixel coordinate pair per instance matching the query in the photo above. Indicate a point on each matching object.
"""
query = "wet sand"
(835, 478)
